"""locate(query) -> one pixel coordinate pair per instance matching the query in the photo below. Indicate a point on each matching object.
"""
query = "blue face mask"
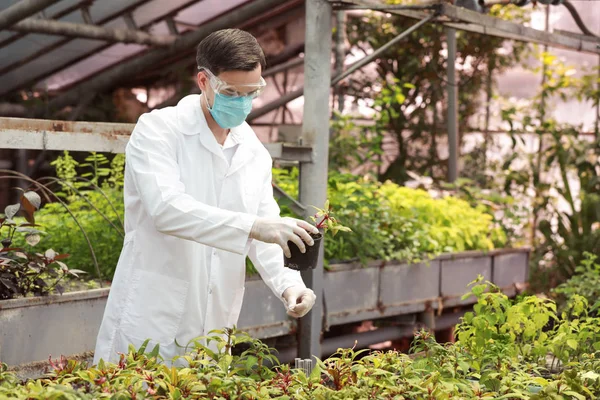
(230, 112)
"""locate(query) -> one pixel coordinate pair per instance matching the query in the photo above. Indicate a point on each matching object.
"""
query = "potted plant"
(326, 222)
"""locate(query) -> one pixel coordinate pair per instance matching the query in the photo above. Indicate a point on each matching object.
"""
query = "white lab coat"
(188, 215)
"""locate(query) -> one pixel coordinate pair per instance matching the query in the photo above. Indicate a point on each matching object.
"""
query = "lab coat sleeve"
(152, 162)
(268, 258)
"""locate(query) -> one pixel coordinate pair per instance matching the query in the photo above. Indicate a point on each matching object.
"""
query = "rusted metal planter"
(457, 271)
(355, 293)
(263, 314)
(351, 292)
(32, 329)
(510, 269)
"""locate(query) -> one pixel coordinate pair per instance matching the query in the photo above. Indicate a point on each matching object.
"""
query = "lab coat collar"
(191, 121)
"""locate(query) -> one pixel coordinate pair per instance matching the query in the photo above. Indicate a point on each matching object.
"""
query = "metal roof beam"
(524, 33)
(471, 21)
(119, 73)
(71, 29)
(22, 9)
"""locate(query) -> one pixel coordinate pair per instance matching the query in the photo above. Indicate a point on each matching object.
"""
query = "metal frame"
(75, 30)
(22, 9)
(39, 134)
(286, 98)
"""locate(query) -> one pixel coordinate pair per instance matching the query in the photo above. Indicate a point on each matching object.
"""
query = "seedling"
(324, 221)
(327, 221)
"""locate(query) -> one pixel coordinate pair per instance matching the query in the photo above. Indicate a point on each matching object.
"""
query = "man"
(198, 199)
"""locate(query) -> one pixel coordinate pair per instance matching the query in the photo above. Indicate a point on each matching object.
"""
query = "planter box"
(351, 293)
(457, 271)
(409, 288)
(31, 329)
(510, 268)
(263, 314)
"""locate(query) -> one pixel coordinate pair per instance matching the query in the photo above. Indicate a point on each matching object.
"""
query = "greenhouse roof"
(33, 54)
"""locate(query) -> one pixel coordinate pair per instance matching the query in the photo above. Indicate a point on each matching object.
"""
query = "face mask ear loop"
(206, 101)
(202, 69)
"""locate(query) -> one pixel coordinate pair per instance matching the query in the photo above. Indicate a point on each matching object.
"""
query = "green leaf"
(572, 343)
(251, 362)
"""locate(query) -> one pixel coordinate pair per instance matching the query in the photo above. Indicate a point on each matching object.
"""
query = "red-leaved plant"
(327, 222)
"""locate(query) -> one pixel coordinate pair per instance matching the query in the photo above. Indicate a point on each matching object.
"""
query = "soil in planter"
(304, 261)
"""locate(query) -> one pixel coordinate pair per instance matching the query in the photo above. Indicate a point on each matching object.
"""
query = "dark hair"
(230, 50)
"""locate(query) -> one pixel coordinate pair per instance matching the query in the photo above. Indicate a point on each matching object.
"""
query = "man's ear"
(202, 81)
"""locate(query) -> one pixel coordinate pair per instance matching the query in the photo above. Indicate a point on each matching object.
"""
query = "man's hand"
(282, 230)
(298, 300)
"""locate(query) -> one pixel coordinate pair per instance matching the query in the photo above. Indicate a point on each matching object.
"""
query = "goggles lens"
(239, 90)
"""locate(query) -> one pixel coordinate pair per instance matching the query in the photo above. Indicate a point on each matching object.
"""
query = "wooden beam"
(71, 29)
(40, 134)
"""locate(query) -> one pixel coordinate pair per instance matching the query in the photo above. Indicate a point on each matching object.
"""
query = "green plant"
(407, 91)
(327, 222)
(585, 282)
(92, 206)
(564, 222)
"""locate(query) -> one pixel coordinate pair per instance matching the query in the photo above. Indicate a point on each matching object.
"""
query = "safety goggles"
(239, 90)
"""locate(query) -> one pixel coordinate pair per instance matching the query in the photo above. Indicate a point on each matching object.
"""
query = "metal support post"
(340, 54)
(452, 106)
(22, 9)
(315, 133)
(597, 129)
(427, 318)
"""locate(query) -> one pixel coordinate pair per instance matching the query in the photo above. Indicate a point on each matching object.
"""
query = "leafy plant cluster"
(407, 89)
(389, 221)
(561, 180)
(505, 349)
(87, 221)
(585, 282)
(24, 271)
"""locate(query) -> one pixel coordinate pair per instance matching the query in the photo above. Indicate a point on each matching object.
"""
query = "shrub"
(500, 353)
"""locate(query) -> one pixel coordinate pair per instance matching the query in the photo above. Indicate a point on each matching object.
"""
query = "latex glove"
(298, 300)
(282, 230)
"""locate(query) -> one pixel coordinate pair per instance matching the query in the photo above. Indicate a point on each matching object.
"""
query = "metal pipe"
(296, 62)
(577, 18)
(384, 8)
(452, 106)
(366, 60)
(340, 54)
(135, 65)
(22, 9)
(315, 133)
(75, 30)
(359, 64)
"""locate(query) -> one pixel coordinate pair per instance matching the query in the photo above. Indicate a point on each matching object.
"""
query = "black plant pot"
(304, 261)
